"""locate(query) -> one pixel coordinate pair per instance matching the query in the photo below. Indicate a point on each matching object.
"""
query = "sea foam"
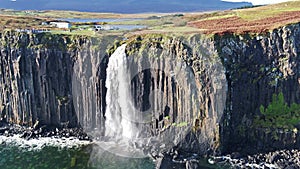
(39, 143)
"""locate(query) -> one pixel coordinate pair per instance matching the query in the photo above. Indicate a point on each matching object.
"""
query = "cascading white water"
(128, 131)
(119, 110)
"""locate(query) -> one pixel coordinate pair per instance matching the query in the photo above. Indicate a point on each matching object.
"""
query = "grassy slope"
(258, 19)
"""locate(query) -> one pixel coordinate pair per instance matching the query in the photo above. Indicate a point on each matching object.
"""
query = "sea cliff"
(210, 87)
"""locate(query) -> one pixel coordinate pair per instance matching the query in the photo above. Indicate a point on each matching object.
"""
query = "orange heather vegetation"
(255, 20)
(236, 24)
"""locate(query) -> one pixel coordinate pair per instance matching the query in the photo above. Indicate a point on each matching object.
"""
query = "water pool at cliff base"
(49, 157)
(13, 157)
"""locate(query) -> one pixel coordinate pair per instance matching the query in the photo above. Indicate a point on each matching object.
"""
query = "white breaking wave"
(39, 143)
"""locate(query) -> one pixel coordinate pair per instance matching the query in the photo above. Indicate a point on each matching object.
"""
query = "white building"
(64, 25)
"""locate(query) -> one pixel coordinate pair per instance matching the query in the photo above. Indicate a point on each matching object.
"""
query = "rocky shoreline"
(9, 130)
(287, 159)
(281, 159)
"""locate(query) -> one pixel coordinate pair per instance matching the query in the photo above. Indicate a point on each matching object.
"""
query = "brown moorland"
(236, 24)
(250, 19)
(15, 22)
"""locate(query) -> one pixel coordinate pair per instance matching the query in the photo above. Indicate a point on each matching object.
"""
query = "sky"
(258, 2)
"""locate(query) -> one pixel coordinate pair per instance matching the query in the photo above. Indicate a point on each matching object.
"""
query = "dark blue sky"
(122, 6)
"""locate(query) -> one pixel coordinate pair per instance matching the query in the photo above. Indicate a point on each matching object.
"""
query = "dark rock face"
(34, 83)
(180, 82)
(256, 68)
(38, 79)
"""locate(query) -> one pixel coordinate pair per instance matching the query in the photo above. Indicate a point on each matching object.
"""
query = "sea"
(62, 153)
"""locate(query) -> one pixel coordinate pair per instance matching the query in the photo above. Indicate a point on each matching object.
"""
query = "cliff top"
(250, 19)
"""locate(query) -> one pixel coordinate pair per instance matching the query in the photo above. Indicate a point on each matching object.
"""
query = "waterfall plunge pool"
(12, 157)
(53, 153)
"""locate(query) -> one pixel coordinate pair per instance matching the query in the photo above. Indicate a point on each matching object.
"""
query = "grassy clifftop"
(248, 20)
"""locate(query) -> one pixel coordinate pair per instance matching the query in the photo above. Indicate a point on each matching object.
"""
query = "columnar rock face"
(88, 83)
(52, 79)
(256, 68)
(34, 82)
(182, 84)
(205, 90)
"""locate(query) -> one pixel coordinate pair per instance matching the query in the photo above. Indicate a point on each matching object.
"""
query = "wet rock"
(235, 155)
(159, 162)
(43, 131)
(293, 167)
(281, 163)
(3, 123)
(192, 165)
(3, 129)
(167, 162)
(279, 159)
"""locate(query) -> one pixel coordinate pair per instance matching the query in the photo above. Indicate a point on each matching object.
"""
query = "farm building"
(58, 24)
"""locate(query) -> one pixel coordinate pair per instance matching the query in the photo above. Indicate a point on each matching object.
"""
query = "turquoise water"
(12, 157)
(85, 157)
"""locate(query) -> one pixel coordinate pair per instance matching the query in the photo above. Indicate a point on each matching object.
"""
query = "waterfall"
(127, 129)
(122, 131)
(119, 110)
(130, 131)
